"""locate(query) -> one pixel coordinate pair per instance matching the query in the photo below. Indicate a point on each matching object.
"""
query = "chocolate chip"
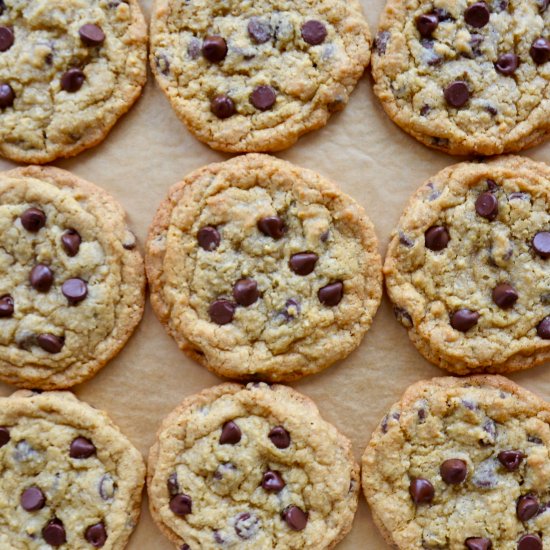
(6, 38)
(477, 15)
(331, 295)
(246, 292)
(543, 328)
(279, 437)
(540, 51)
(457, 94)
(7, 96)
(437, 238)
(487, 206)
(543, 4)
(214, 48)
(246, 525)
(273, 482)
(181, 504)
(505, 295)
(91, 35)
(82, 448)
(314, 32)
(443, 15)
(425, 110)
(172, 484)
(4, 436)
(510, 459)
(263, 97)
(541, 244)
(209, 238)
(231, 434)
(50, 342)
(6, 306)
(381, 42)
(303, 263)
(464, 319)
(185, 547)
(222, 106)
(272, 226)
(71, 242)
(490, 109)
(75, 290)
(295, 518)
(529, 542)
(490, 428)
(527, 507)
(41, 278)
(453, 471)
(507, 64)
(33, 219)
(421, 491)
(54, 533)
(72, 80)
(222, 312)
(259, 30)
(478, 543)
(426, 24)
(96, 535)
(403, 316)
(33, 499)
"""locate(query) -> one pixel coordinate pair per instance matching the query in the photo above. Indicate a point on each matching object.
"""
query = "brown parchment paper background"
(372, 160)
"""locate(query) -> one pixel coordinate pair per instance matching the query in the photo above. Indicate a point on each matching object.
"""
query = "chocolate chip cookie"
(466, 76)
(255, 76)
(260, 269)
(251, 467)
(71, 280)
(68, 71)
(70, 479)
(468, 266)
(462, 463)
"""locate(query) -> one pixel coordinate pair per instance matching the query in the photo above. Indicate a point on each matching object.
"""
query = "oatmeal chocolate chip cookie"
(468, 266)
(466, 76)
(260, 269)
(255, 76)
(70, 479)
(68, 70)
(462, 463)
(251, 467)
(71, 281)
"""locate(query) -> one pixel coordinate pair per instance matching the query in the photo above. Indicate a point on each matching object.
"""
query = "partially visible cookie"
(68, 70)
(468, 266)
(466, 76)
(251, 467)
(260, 269)
(255, 76)
(72, 282)
(70, 479)
(462, 463)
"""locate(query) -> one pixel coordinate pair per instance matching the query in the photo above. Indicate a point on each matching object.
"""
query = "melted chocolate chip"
(7, 96)
(527, 507)
(33, 219)
(259, 30)
(505, 295)
(421, 491)
(529, 542)
(6, 38)
(477, 15)
(82, 448)
(295, 518)
(231, 434)
(72, 80)
(453, 471)
(4, 436)
(246, 292)
(273, 482)
(96, 535)
(457, 94)
(222, 106)
(464, 319)
(487, 206)
(33, 499)
(50, 342)
(541, 244)
(279, 437)
(75, 290)
(314, 32)
(331, 295)
(263, 97)
(437, 238)
(303, 263)
(54, 533)
(540, 51)
(41, 278)
(181, 504)
(543, 328)
(478, 543)
(209, 238)
(214, 48)
(272, 226)
(6, 306)
(507, 64)
(71, 242)
(91, 35)
(511, 460)
(222, 312)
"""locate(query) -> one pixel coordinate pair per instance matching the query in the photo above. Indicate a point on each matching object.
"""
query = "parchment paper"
(372, 160)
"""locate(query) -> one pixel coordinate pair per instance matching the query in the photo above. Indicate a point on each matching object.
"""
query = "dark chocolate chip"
(303, 263)
(33, 499)
(543, 328)
(443, 14)
(331, 295)
(247, 525)
(507, 64)
(75, 290)
(425, 110)
(477, 15)
(222, 312)
(4, 436)
(259, 30)
(231, 434)
(214, 48)
(96, 535)
(172, 484)
(543, 4)
(6, 306)
(453, 471)
(246, 292)
(457, 94)
(185, 547)
(272, 226)
(222, 106)
(6, 38)
(464, 319)
(478, 543)
(50, 342)
(381, 42)
(279, 437)
(541, 244)
(7, 96)
(314, 32)
(72, 80)
(91, 35)
(437, 238)
(426, 24)
(510, 459)
(529, 542)
(33, 219)
(82, 448)
(273, 482)
(487, 206)
(263, 97)
(71, 242)
(41, 278)
(209, 238)
(527, 507)
(421, 491)
(505, 295)
(295, 518)
(403, 316)
(181, 504)
(54, 533)
(540, 51)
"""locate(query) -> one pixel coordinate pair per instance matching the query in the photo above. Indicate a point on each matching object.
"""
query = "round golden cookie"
(72, 282)
(468, 266)
(255, 76)
(251, 467)
(260, 269)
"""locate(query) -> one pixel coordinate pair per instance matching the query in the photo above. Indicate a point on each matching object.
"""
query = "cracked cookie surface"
(261, 269)
(462, 464)
(465, 76)
(251, 467)
(68, 70)
(468, 266)
(70, 478)
(71, 280)
(255, 76)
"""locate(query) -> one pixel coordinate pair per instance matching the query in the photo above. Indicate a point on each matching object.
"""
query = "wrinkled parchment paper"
(372, 160)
